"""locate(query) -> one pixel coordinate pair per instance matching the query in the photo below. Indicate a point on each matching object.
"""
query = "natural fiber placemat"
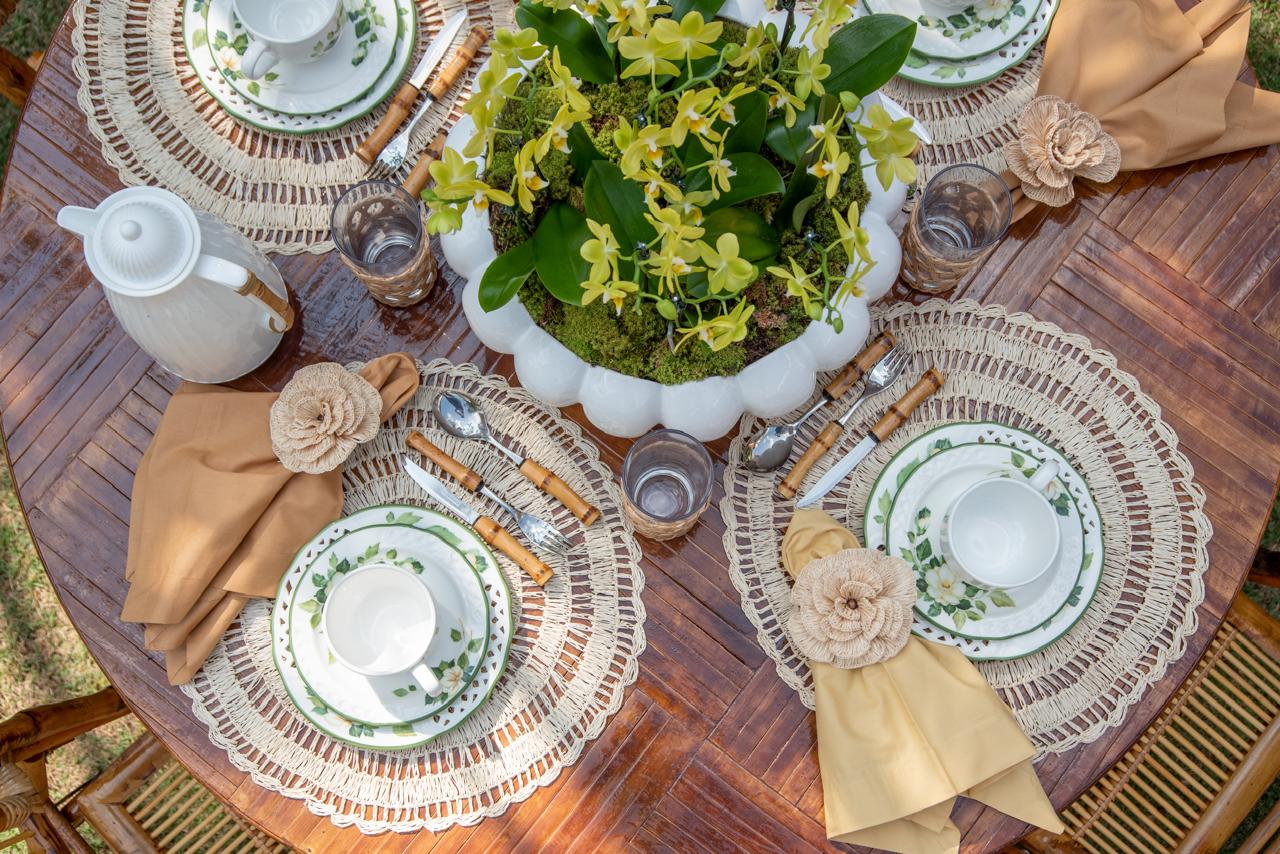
(1013, 369)
(575, 649)
(158, 126)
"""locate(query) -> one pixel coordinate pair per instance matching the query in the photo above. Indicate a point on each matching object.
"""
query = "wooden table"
(1173, 271)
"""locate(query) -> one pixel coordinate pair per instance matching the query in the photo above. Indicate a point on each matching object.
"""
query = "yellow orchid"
(854, 239)
(493, 87)
(726, 269)
(646, 149)
(826, 18)
(889, 143)
(516, 46)
(630, 16)
(755, 47)
(720, 332)
(690, 205)
(810, 72)
(694, 114)
(481, 198)
(527, 179)
(557, 135)
(720, 171)
(689, 39)
(589, 8)
(564, 84)
(799, 286)
(674, 259)
(601, 252)
(831, 171)
(670, 225)
(645, 58)
(724, 104)
(656, 186)
(612, 290)
(454, 176)
(825, 135)
(783, 97)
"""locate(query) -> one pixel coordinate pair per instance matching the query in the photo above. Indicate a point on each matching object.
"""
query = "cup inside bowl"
(379, 619)
(1004, 533)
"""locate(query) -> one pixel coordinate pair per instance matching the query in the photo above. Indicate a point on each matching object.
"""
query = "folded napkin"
(899, 740)
(1162, 82)
(216, 518)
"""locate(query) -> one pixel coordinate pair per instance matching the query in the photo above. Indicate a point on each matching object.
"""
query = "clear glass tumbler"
(666, 483)
(378, 230)
(960, 217)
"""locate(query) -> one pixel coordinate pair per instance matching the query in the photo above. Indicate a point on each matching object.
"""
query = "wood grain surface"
(1173, 271)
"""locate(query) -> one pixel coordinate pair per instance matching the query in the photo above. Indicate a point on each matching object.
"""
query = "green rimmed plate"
(971, 32)
(916, 453)
(947, 73)
(462, 617)
(195, 39)
(502, 627)
(913, 531)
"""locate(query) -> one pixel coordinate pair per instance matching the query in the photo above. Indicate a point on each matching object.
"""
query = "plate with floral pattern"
(195, 39)
(365, 45)
(946, 73)
(972, 31)
(460, 641)
(487, 664)
(945, 598)
(919, 451)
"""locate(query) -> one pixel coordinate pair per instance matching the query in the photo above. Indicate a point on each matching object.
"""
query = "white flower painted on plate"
(451, 680)
(991, 10)
(229, 58)
(943, 585)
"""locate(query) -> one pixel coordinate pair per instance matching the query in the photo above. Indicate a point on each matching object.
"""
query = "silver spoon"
(462, 419)
(772, 446)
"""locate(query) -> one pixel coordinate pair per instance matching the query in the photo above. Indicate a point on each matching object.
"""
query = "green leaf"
(254, 88)
(1002, 599)
(310, 606)
(455, 635)
(582, 152)
(444, 534)
(408, 519)
(611, 199)
(915, 60)
(801, 209)
(504, 276)
(404, 730)
(391, 518)
(866, 52)
(1017, 459)
(752, 112)
(315, 620)
(580, 46)
(473, 645)
(463, 660)
(1087, 562)
(790, 143)
(959, 617)
(757, 240)
(560, 235)
(708, 8)
(392, 554)
(934, 610)
(199, 38)
(400, 692)
(755, 177)
(924, 551)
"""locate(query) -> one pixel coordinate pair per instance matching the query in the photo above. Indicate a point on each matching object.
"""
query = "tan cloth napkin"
(899, 740)
(1160, 80)
(216, 518)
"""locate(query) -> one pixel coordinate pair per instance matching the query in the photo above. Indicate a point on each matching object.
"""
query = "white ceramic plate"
(917, 452)
(398, 736)
(946, 73)
(351, 68)
(914, 532)
(195, 38)
(969, 32)
(459, 645)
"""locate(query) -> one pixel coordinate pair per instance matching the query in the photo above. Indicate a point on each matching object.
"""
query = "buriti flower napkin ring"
(1058, 142)
(321, 416)
(852, 608)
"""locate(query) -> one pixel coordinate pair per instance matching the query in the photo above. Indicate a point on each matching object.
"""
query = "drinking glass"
(378, 230)
(962, 214)
(666, 483)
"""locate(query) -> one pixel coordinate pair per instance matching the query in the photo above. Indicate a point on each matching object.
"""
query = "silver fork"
(881, 377)
(538, 531)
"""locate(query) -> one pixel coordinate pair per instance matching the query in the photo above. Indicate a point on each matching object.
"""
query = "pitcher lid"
(146, 241)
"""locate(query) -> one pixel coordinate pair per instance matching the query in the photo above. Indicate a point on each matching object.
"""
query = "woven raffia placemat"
(575, 650)
(158, 126)
(1013, 369)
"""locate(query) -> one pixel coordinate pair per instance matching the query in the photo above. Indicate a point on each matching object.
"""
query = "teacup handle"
(422, 673)
(257, 60)
(1044, 476)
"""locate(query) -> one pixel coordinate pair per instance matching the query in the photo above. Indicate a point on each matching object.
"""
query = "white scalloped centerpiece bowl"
(627, 406)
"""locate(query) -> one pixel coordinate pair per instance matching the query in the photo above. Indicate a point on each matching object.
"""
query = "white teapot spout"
(82, 221)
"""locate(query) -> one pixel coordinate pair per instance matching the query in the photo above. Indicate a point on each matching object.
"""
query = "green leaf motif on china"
(403, 518)
(940, 589)
(404, 730)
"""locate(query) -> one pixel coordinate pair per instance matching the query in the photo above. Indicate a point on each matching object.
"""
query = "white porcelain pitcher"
(195, 294)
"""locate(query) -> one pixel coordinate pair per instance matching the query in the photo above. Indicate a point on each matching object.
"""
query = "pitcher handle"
(1044, 476)
(278, 306)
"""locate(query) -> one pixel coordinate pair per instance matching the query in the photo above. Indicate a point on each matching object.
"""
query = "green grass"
(41, 657)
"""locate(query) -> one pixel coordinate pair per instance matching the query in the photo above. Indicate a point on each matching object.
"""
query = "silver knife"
(411, 88)
(441, 493)
(893, 418)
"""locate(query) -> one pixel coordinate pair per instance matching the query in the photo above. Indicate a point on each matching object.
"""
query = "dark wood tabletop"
(1174, 271)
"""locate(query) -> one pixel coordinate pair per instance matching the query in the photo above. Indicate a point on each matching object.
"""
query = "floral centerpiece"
(673, 196)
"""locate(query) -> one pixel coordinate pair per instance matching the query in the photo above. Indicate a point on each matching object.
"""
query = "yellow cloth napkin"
(899, 740)
(1160, 80)
(216, 519)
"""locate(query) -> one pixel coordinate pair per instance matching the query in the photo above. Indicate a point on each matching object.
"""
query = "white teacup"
(287, 31)
(1002, 532)
(380, 619)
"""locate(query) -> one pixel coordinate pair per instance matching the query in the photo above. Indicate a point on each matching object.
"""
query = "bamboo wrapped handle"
(791, 483)
(459, 472)
(863, 362)
(901, 409)
(495, 535)
(416, 181)
(461, 59)
(546, 480)
(397, 112)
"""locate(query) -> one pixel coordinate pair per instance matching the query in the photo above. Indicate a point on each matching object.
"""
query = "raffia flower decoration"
(1058, 142)
(852, 608)
(320, 417)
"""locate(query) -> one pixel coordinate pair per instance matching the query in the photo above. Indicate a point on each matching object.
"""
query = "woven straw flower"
(852, 608)
(1058, 142)
(320, 417)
